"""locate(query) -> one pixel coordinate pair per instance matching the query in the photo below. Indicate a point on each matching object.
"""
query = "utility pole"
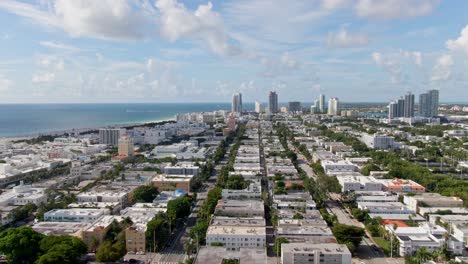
(391, 246)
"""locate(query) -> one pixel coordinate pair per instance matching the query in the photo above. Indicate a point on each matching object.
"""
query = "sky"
(88, 51)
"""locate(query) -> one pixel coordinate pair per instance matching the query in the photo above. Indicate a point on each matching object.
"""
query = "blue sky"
(86, 51)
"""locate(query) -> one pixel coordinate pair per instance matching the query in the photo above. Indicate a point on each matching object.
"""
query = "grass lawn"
(384, 244)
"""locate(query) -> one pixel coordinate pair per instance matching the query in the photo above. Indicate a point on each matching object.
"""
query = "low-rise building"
(308, 253)
(235, 237)
(166, 182)
(95, 233)
(240, 208)
(74, 215)
(338, 166)
(431, 200)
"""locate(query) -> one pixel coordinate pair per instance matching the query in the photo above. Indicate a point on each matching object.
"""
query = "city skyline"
(58, 51)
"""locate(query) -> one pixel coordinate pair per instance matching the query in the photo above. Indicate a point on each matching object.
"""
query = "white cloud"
(442, 71)
(415, 56)
(204, 24)
(344, 39)
(334, 4)
(461, 43)
(44, 77)
(56, 45)
(389, 65)
(288, 61)
(5, 84)
(391, 9)
(103, 19)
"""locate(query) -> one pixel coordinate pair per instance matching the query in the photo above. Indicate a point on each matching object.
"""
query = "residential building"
(166, 182)
(95, 233)
(308, 253)
(295, 107)
(409, 105)
(217, 255)
(74, 215)
(240, 208)
(258, 107)
(378, 141)
(126, 147)
(431, 200)
(236, 103)
(273, 102)
(110, 136)
(321, 104)
(429, 103)
(333, 106)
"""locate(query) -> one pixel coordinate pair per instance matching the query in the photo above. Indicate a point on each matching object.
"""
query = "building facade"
(273, 102)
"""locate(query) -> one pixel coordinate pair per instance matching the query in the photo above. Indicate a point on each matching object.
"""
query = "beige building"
(94, 234)
(431, 200)
(136, 238)
(126, 146)
(172, 182)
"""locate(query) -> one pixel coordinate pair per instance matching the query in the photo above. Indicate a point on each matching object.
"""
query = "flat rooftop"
(215, 255)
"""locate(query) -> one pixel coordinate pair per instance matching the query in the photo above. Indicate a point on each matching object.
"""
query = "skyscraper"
(429, 103)
(321, 105)
(409, 105)
(392, 110)
(333, 106)
(258, 107)
(236, 103)
(295, 106)
(314, 109)
(400, 107)
(273, 102)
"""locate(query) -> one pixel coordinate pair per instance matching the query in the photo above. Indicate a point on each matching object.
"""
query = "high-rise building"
(321, 104)
(236, 103)
(295, 106)
(333, 106)
(258, 107)
(232, 122)
(392, 110)
(401, 107)
(110, 136)
(314, 109)
(409, 105)
(273, 102)
(429, 103)
(126, 146)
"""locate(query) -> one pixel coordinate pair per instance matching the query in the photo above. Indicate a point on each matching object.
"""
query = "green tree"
(179, 208)
(20, 245)
(349, 235)
(61, 249)
(368, 168)
(277, 245)
(157, 232)
(145, 194)
(236, 182)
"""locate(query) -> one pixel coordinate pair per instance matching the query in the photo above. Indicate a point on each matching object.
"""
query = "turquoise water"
(29, 119)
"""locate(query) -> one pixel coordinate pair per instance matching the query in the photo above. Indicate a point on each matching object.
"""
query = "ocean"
(31, 119)
(17, 120)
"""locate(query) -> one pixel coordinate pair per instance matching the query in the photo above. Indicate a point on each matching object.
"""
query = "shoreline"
(87, 129)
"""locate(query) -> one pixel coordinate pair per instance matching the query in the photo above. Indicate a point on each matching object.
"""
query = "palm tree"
(423, 255)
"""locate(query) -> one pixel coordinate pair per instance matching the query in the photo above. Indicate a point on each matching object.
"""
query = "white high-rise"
(110, 136)
(236, 103)
(333, 106)
(258, 107)
(321, 105)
